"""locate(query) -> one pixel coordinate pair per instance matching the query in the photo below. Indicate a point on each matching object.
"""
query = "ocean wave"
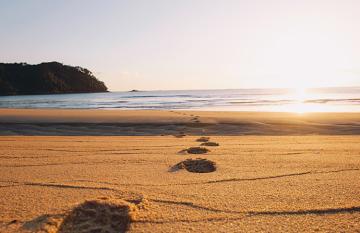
(244, 100)
(262, 102)
(324, 101)
(155, 96)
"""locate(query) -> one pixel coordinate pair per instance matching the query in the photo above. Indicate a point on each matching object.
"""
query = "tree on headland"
(47, 78)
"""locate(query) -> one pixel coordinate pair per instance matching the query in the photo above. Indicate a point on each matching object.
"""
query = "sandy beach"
(179, 116)
(262, 172)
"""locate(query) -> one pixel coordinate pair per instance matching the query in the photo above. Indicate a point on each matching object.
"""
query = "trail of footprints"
(107, 215)
(100, 216)
(115, 215)
(198, 165)
(194, 120)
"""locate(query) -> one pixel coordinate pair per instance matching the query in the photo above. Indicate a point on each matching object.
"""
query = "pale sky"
(190, 44)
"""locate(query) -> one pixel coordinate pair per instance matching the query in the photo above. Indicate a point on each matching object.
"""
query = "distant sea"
(341, 99)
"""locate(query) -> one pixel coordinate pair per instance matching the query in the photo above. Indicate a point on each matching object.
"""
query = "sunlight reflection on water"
(277, 100)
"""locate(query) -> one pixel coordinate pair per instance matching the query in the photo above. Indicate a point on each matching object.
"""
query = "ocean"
(340, 99)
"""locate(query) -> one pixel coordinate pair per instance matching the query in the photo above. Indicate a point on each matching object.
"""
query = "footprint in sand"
(196, 165)
(180, 135)
(99, 216)
(209, 144)
(92, 216)
(194, 150)
(195, 120)
(203, 139)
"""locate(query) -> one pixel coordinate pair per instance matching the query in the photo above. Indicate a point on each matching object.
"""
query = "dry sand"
(62, 184)
(262, 183)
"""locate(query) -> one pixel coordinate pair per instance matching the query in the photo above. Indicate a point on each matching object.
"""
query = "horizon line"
(245, 88)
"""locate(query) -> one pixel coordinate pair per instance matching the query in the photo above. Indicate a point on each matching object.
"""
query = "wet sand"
(154, 123)
(178, 183)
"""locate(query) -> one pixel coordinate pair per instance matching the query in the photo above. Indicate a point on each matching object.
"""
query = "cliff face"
(46, 78)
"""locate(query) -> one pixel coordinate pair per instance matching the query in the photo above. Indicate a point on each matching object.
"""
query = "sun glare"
(299, 96)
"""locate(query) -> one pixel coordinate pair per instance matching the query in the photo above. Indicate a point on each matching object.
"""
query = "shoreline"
(61, 122)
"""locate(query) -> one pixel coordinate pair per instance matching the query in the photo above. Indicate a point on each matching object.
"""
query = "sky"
(190, 44)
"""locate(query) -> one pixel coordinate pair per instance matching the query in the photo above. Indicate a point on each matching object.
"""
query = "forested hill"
(47, 78)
